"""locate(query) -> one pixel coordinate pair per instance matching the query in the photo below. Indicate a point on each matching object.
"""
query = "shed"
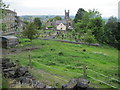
(9, 41)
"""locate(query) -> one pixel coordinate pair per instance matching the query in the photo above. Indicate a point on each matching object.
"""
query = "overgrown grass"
(61, 59)
(5, 83)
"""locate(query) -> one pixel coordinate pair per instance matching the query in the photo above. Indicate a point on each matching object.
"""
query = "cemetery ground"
(56, 63)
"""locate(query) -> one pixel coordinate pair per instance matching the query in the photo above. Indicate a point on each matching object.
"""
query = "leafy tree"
(118, 36)
(43, 26)
(79, 15)
(112, 32)
(3, 6)
(57, 18)
(93, 13)
(89, 37)
(90, 20)
(97, 27)
(31, 31)
(73, 33)
(51, 19)
(26, 22)
(38, 22)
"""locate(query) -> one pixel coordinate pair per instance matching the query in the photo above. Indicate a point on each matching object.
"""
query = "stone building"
(64, 24)
(10, 22)
(20, 25)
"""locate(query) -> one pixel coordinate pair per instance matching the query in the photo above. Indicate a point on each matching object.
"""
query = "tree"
(31, 31)
(26, 22)
(118, 36)
(89, 37)
(97, 27)
(73, 33)
(90, 20)
(43, 26)
(57, 18)
(3, 6)
(79, 15)
(38, 22)
(112, 32)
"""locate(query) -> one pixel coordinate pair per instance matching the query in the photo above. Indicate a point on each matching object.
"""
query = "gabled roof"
(9, 11)
(60, 21)
(9, 37)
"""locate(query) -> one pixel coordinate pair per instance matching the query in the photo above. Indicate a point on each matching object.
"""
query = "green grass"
(5, 83)
(61, 59)
(44, 33)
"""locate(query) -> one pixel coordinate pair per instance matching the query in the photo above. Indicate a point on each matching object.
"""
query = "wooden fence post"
(30, 62)
(84, 71)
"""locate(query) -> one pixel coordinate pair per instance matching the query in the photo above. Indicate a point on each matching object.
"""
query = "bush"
(50, 26)
(5, 83)
(89, 37)
(84, 50)
(60, 53)
(52, 49)
(51, 63)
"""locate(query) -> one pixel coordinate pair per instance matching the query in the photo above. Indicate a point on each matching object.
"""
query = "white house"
(61, 26)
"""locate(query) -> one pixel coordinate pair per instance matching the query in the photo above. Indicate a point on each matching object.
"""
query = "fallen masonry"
(22, 76)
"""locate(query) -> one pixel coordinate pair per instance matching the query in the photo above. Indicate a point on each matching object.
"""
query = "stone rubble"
(22, 76)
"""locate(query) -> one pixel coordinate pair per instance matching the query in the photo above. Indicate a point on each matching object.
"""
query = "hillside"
(55, 63)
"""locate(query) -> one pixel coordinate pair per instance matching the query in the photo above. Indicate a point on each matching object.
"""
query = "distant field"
(55, 63)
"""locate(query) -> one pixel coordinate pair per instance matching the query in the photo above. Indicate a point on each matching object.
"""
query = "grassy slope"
(62, 67)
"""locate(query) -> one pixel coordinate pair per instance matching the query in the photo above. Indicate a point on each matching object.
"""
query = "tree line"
(90, 27)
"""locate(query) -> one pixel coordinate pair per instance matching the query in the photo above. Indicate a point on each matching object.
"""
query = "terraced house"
(11, 22)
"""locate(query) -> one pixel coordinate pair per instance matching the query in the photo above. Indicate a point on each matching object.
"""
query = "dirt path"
(16, 50)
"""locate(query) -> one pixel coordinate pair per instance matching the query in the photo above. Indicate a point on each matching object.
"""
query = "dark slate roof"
(60, 21)
(9, 11)
(9, 37)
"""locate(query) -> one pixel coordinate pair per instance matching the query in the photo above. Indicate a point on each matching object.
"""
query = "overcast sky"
(56, 7)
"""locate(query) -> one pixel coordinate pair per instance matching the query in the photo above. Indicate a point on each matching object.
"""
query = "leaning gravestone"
(82, 83)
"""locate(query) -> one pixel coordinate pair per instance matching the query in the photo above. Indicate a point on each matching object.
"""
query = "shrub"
(50, 26)
(89, 37)
(60, 53)
(51, 63)
(84, 50)
(52, 49)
